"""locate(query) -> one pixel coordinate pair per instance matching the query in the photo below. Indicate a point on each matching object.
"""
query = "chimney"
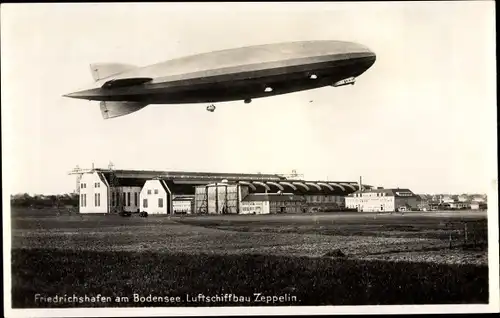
(360, 184)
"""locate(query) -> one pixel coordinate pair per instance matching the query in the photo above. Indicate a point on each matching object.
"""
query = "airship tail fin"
(103, 70)
(117, 109)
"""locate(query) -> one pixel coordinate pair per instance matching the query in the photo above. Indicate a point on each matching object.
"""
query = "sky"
(423, 117)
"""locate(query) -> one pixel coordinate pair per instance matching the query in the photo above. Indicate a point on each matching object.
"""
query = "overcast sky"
(423, 117)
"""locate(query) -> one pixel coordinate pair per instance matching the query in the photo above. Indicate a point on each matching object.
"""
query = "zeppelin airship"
(239, 74)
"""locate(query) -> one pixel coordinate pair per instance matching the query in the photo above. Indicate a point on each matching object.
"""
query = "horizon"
(265, 173)
(423, 117)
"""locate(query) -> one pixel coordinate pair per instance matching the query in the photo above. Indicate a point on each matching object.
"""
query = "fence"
(468, 234)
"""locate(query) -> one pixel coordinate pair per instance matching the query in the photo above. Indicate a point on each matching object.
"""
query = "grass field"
(339, 259)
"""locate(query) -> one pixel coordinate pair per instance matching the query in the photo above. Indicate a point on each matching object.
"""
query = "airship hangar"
(176, 192)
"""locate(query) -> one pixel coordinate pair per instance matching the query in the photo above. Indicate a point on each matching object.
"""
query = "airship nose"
(369, 55)
(372, 57)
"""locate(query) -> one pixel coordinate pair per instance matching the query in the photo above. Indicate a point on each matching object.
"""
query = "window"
(160, 202)
(81, 200)
(145, 203)
(97, 199)
(128, 198)
(84, 200)
(124, 199)
(149, 191)
(156, 191)
(135, 198)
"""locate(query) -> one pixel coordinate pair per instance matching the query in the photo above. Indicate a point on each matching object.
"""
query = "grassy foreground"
(313, 281)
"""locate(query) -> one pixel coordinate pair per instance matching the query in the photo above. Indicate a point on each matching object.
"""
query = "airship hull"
(235, 74)
(236, 86)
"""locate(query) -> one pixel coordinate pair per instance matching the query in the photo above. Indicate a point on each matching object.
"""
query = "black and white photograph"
(249, 158)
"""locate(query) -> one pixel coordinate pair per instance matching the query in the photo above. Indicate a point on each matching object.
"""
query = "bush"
(335, 253)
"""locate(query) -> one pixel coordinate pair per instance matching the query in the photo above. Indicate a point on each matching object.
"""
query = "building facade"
(183, 204)
(125, 199)
(257, 205)
(155, 197)
(168, 192)
(93, 194)
(478, 205)
(274, 203)
(383, 200)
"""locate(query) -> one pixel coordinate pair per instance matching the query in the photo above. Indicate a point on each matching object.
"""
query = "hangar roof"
(403, 192)
(184, 175)
(184, 182)
(272, 197)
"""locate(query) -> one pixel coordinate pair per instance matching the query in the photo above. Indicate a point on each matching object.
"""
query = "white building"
(183, 204)
(156, 197)
(459, 205)
(95, 190)
(274, 203)
(479, 199)
(382, 200)
(448, 199)
(255, 204)
(478, 205)
(93, 193)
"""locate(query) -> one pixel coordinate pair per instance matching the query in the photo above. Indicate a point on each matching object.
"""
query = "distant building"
(480, 199)
(478, 205)
(383, 200)
(447, 199)
(458, 205)
(463, 198)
